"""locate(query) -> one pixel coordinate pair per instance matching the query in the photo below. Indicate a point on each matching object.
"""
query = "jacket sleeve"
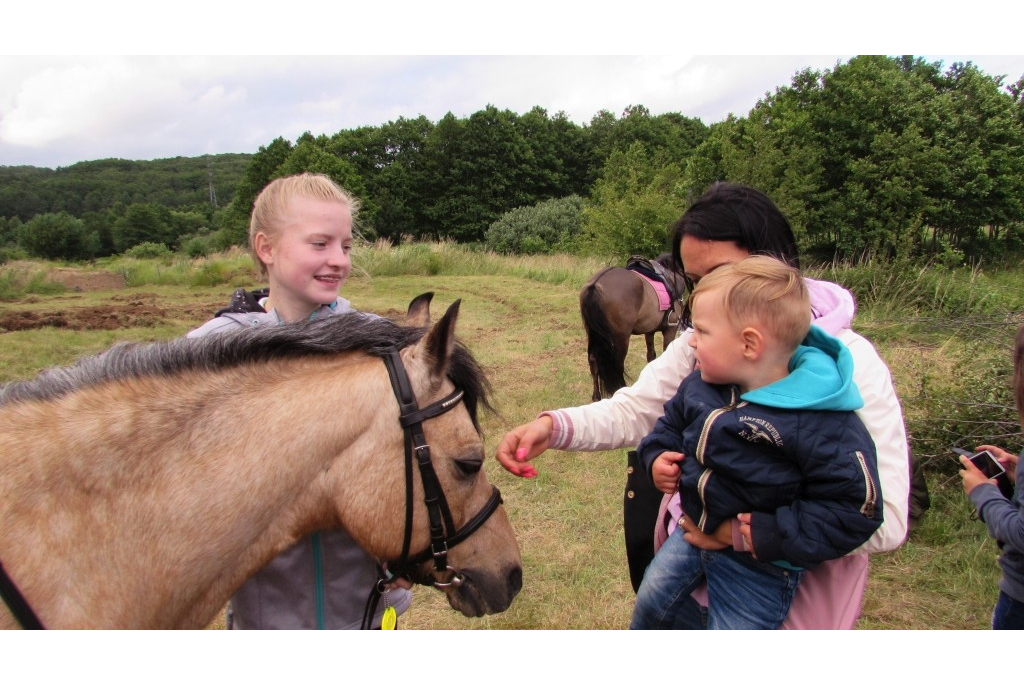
(1005, 520)
(623, 419)
(883, 417)
(840, 505)
(667, 434)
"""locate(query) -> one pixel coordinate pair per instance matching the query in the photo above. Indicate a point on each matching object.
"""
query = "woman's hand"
(972, 476)
(745, 533)
(522, 444)
(720, 539)
(1006, 459)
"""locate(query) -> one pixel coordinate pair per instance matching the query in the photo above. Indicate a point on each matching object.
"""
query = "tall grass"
(232, 268)
(384, 258)
(19, 279)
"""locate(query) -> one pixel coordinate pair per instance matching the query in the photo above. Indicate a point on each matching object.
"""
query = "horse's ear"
(440, 341)
(418, 315)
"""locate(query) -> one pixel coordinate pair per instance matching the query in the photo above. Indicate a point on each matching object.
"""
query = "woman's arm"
(623, 419)
(619, 421)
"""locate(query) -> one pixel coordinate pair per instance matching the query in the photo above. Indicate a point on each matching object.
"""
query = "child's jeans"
(1008, 614)
(743, 593)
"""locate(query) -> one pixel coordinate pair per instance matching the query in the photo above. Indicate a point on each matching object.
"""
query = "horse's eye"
(469, 466)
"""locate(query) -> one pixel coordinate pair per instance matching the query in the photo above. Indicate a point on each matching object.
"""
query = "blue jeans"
(1008, 614)
(743, 593)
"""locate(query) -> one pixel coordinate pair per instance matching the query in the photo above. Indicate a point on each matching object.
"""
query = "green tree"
(58, 236)
(143, 223)
(262, 170)
(638, 197)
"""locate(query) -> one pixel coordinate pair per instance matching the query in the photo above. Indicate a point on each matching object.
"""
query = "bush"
(148, 251)
(58, 237)
(545, 228)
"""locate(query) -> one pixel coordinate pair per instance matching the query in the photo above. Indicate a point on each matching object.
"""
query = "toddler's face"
(717, 344)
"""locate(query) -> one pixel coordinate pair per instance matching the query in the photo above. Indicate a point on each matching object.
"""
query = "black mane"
(352, 332)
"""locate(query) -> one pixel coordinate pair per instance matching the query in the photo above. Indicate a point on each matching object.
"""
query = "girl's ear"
(264, 248)
(753, 343)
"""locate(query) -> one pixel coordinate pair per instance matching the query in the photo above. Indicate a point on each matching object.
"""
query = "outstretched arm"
(523, 443)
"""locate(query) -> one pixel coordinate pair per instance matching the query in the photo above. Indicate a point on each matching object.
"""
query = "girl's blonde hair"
(273, 199)
(762, 290)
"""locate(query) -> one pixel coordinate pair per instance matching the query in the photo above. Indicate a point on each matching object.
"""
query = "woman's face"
(701, 257)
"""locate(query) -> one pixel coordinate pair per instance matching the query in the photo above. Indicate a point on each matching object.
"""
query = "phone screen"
(987, 464)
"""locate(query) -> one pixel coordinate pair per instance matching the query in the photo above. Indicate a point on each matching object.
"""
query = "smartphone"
(985, 462)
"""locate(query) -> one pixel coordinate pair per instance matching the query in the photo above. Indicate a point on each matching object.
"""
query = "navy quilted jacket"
(805, 468)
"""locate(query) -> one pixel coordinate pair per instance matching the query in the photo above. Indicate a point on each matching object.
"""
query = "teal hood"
(820, 377)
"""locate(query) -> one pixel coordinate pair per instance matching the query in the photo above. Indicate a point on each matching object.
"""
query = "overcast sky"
(59, 106)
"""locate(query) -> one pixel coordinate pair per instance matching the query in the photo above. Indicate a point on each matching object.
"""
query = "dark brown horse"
(618, 302)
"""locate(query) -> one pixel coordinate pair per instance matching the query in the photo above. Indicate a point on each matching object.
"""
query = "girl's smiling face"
(308, 261)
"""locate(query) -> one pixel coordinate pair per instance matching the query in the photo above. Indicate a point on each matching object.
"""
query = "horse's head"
(464, 544)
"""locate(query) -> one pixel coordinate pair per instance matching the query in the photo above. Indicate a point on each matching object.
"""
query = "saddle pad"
(664, 299)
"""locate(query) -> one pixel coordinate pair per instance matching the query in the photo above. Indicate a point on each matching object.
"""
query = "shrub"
(547, 227)
(148, 251)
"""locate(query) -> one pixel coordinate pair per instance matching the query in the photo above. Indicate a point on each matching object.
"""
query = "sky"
(186, 86)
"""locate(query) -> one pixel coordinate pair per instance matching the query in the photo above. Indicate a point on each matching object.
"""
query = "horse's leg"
(593, 374)
(649, 339)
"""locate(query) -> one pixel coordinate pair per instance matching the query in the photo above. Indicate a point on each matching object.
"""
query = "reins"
(443, 533)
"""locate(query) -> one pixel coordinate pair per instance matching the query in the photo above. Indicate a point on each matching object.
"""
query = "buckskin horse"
(618, 302)
(140, 487)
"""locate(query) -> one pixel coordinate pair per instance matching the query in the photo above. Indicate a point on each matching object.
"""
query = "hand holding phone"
(986, 462)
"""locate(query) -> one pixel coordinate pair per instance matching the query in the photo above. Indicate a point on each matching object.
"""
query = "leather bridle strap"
(20, 608)
(412, 418)
(443, 533)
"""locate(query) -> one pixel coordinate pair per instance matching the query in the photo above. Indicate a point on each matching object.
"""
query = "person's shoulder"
(228, 321)
(860, 347)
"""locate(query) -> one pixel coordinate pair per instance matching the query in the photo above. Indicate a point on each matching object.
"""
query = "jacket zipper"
(702, 442)
(871, 497)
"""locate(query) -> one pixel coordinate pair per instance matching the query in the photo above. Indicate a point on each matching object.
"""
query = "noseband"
(443, 533)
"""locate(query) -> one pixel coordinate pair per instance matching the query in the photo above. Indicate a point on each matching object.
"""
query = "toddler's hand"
(665, 471)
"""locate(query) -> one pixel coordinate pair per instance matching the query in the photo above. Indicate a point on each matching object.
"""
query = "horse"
(618, 302)
(139, 488)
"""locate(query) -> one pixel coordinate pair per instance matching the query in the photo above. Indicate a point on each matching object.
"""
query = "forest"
(879, 157)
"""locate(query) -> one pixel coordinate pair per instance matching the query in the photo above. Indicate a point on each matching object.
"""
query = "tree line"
(879, 156)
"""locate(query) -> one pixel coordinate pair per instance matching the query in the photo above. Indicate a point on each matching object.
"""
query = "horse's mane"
(352, 332)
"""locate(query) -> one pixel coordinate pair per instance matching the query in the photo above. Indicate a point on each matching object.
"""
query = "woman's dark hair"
(733, 212)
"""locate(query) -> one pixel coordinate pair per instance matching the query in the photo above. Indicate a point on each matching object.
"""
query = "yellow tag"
(389, 621)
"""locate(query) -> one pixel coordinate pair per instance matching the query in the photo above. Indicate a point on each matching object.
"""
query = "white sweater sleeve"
(626, 417)
(883, 417)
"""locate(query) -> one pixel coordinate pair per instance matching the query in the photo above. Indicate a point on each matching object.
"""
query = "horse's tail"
(608, 372)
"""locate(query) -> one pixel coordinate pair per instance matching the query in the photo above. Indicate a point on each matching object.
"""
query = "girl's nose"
(338, 257)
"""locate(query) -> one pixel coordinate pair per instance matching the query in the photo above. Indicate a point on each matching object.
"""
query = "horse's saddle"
(658, 274)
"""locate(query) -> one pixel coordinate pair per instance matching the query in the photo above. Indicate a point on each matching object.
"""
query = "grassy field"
(520, 318)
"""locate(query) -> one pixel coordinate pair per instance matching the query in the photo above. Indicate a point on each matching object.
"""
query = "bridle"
(443, 533)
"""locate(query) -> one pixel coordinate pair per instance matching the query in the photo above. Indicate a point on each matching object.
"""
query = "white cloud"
(55, 111)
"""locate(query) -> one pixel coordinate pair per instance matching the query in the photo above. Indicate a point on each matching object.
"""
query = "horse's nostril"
(515, 580)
